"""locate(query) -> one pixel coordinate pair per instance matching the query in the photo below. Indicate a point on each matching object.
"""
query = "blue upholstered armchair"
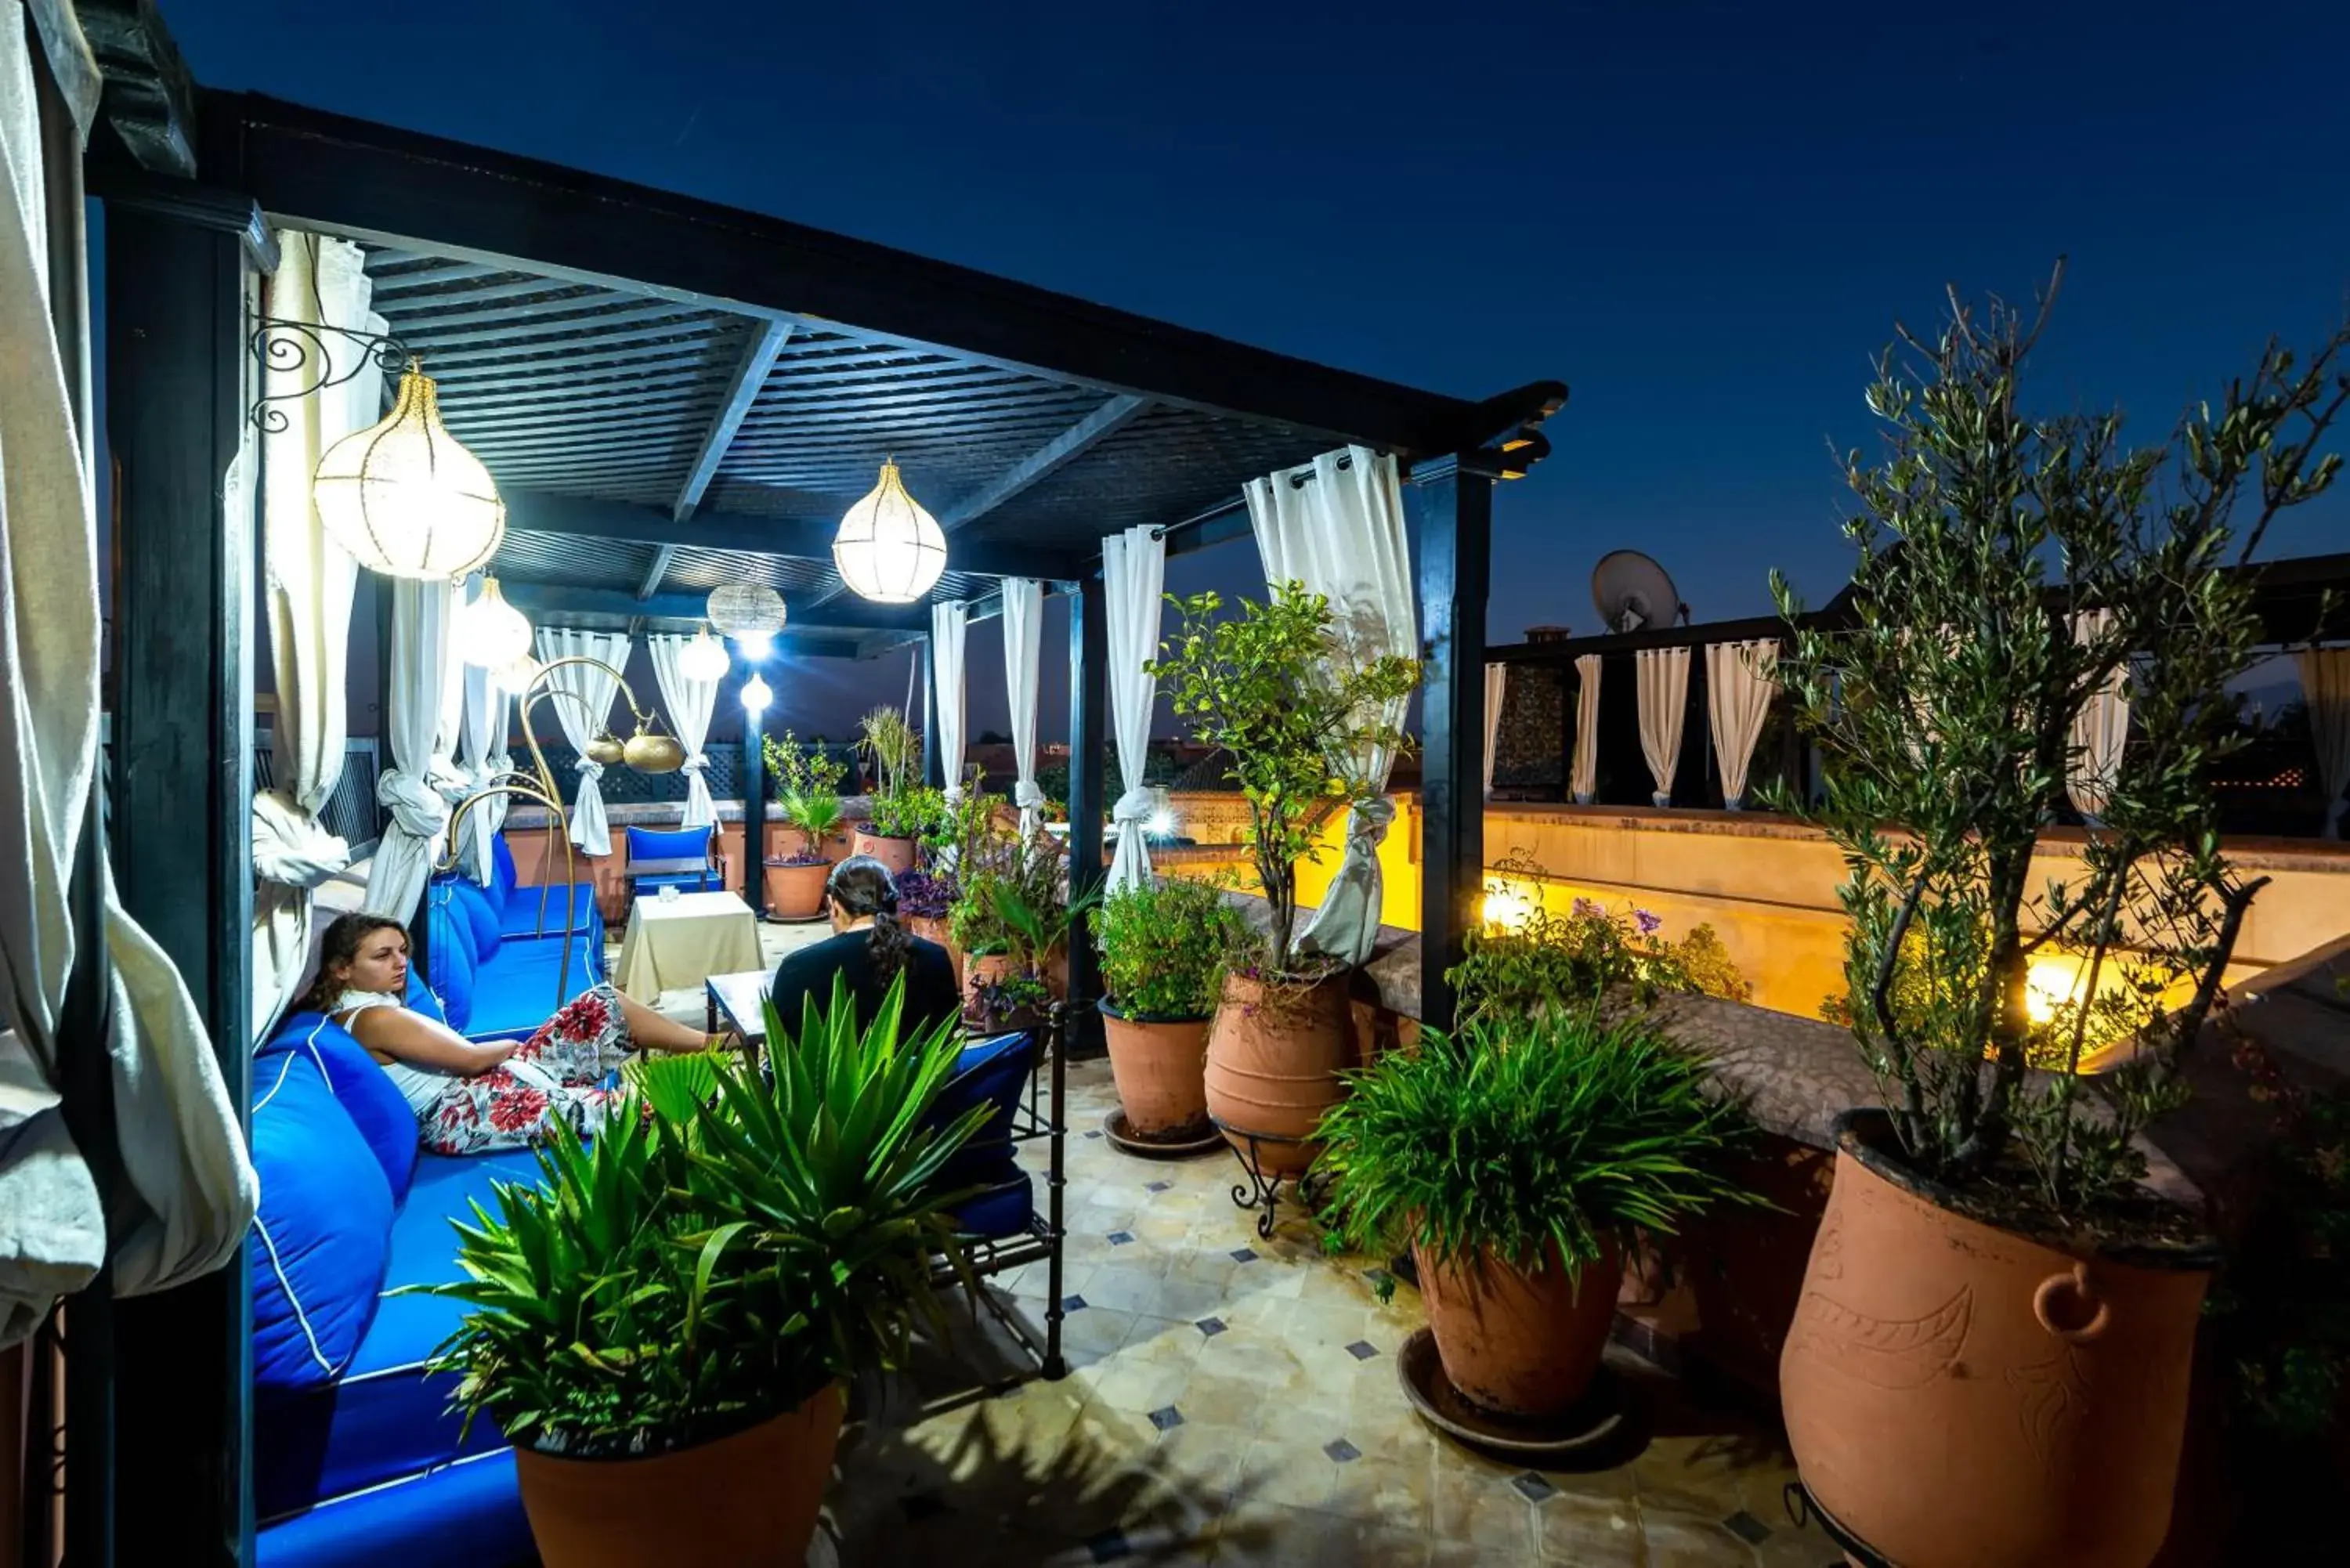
(659, 853)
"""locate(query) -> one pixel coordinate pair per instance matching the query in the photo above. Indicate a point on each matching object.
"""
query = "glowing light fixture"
(405, 497)
(2051, 983)
(755, 695)
(1506, 907)
(703, 660)
(1161, 824)
(492, 633)
(889, 549)
(514, 678)
(757, 645)
(750, 613)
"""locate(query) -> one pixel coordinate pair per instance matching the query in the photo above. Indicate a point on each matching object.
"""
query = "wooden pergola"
(672, 394)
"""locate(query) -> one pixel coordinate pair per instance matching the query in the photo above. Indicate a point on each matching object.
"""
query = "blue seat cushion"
(684, 881)
(519, 991)
(1003, 1205)
(502, 870)
(469, 904)
(322, 1232)
(450, 965)
(992, 1073)
(386, 1420)
(672, 844)
(562, 906)
(470, 1511)
(359, 1085)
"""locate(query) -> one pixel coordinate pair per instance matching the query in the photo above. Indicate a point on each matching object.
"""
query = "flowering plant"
(927, 895)
(1542, 960)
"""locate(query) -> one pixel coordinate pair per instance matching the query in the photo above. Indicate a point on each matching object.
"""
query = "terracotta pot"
(896, 854)
(1959, 1396)
(988, 969)
(1522, 1345)
(750, 1499)
(1272, 1065)
(933, 929)
(795, 892)
(1160, 1072)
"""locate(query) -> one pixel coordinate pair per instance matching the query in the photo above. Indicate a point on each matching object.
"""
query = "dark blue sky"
(1704, 215)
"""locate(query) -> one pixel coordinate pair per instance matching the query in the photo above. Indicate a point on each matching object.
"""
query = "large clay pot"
(896, 854)
(1273, 1057)
(1522, 1345)
(749, 1499)
(933, 929)
(1161, 1071)
(795, 892)
(1959, 1396)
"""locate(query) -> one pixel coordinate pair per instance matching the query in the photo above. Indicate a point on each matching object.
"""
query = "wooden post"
(1088, 738)
(933, 765)
(178, 383)
(1454, 504)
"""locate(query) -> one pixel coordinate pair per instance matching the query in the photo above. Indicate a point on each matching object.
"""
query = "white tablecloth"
(682, 941)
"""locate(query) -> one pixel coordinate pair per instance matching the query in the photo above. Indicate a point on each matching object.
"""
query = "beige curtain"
(2326, 683)
(1664, 697)
(1739, 679)
(1586, 781)
(1497, 689)
(2098, 728)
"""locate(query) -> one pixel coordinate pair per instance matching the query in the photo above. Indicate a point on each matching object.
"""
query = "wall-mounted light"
(405, 497)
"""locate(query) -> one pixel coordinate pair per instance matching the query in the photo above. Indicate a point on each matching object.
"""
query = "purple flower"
(1650, 924)
(1584, 909)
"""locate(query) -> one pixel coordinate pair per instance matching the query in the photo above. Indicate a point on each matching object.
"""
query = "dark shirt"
(931, 993)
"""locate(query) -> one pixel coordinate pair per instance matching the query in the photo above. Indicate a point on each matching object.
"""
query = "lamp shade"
(755, 695)
(492, 633)
(405, 497)
(747, 610)
(703, 660)
(889, 549)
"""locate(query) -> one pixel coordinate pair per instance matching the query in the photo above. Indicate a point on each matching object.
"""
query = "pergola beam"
(767, 341)
(560, 598)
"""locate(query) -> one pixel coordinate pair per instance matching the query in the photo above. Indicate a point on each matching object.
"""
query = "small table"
(738, 1004)
(672, 943)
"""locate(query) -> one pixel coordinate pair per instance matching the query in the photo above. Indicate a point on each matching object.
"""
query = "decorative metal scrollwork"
(300, 349)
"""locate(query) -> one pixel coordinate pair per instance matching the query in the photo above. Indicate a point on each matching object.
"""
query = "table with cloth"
(672, 943)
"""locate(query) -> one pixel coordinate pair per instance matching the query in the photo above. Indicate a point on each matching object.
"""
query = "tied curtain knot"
(414, 803)
(289, 845)
(1028, 796)
(1368, 824)
(589, 769)
(695, 762)
(1136, 805)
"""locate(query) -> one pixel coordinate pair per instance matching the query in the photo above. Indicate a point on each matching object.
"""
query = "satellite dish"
(1632, 593)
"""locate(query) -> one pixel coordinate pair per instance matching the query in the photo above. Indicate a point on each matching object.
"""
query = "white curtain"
(190, 1191)
(2326, 683)
(1134, 571)
(1663, 682)
(689, 703)
(420, 725)
(1739, 679)
(307, 581)
(581, 715)
(1497, 691)
(950, 623)
(482, 762)
(1585, 784)
(2099, 729)
(1024, 656)
(1336, 525)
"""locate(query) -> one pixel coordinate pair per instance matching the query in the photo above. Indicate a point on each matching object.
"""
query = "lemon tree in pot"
(1515, 1160)
(662, 1326)
(1994, 1299)
(1288, 703)
(1163, 948)
(808, 791)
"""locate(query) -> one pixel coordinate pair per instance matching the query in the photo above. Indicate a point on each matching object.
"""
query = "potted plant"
(1517, 1159)
(661, 1324)
(1163, 948)
(899, 807)
(1015, 910)
(1282, 696)
(1995, 1301)
(808, 791)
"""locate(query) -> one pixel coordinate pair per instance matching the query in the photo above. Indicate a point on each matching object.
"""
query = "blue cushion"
(992, 1073)
(466, 1512)
(675, 844)
(322, 1232)
(560, 905)
(449, 964)
(1003, 1205)
(502, 870)
(360, 1085)
(481, 920)
(684, 881)
(387, 1419)
(519, 991)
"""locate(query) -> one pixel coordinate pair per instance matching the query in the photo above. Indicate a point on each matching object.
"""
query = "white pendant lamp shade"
(889, 549)
(703, 660)
(755, 695)
(751, 613)
(514, 678)
(491, 633)
(405, 498)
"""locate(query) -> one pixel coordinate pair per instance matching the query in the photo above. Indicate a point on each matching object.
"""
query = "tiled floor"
(1234, 1400)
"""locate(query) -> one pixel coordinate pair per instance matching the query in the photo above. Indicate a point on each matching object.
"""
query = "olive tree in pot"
(1289, 703)
(1515, 1160)
(1994, 1299)
(808, 791)
(662, 1325)
(1163, 948)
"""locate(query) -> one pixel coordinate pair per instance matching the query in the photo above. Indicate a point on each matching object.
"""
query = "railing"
(352, 811)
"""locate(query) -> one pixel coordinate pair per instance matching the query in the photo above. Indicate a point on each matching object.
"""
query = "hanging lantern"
(750, 613)
(889, 549)
(491, 632)
(515, 679)
(405, 497)
(755, 695)
(703, 660)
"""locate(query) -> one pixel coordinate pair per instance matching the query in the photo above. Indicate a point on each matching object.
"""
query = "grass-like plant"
(807, 789)
(1512, 1136)
(719, 1252)
(1163, 948)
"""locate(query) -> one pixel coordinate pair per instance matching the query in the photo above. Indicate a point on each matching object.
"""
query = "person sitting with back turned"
(869, 947)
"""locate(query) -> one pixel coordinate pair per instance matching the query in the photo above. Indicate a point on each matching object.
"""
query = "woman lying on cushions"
(471, 1096)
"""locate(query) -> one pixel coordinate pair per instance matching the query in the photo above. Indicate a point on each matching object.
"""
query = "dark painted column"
(177, 368)
(754, 801)
(1088, 739)
(933, 766)
(1454, 509)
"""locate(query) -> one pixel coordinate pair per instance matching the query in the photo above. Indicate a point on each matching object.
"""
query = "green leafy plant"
(1015, 903)
(1282, 691)
(1945, 719)
(1163, 948)
(900, 804)
(720, 1254)
(674, 1083)
(1512, 1136)
(915, 811)
(1539, 960)
(807, 789)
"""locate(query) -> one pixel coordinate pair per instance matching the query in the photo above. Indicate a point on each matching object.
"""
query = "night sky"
(1702, 216)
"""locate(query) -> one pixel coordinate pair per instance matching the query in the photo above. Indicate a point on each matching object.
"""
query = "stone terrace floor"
(1234, 1400)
